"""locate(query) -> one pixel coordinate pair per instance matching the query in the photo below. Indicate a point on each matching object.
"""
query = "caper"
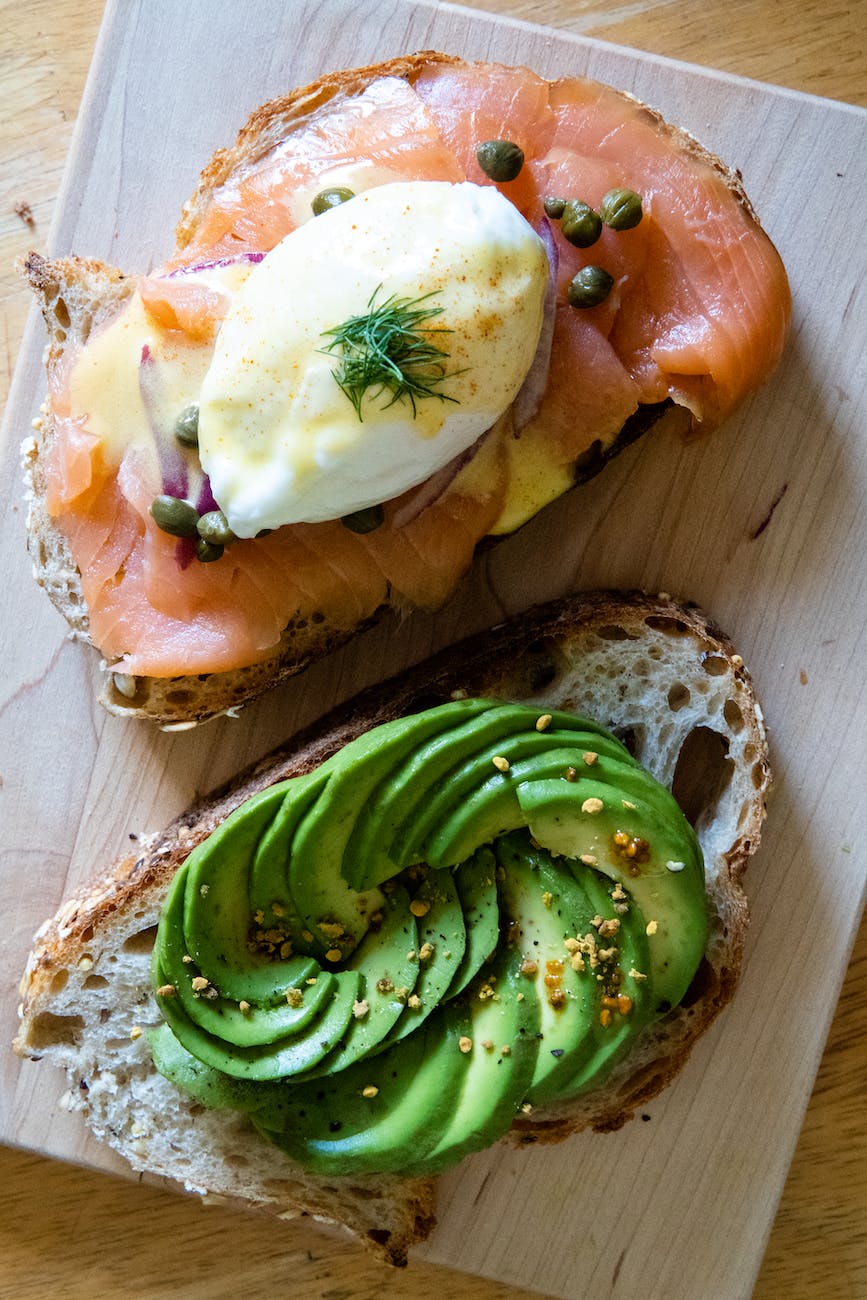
(589, 287)
(500, 159)
(554, 207)
(621, 209)
(214, 528)
(580, 224)
(207, 552)
(175, 516)
(187, 426)
(333, 198)
(364, 521)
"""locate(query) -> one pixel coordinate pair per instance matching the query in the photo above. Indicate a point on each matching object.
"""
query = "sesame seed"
(85, 963)
(135, 1032)
(675, 866)
(589, 859)
(370, 1091)
(500, 763)
(465, 1044)
(543, 722)
(592, 805)
(651, 928)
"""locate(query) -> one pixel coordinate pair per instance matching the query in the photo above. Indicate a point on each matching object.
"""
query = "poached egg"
(279, 438)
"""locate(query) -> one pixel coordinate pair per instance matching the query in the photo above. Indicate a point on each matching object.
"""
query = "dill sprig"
(390, 349)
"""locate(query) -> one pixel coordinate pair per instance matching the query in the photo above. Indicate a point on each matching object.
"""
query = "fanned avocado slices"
(665, 877)
(278, 1060)
(357, 772)
(266, 1021)
(387, 966)
(466, 912)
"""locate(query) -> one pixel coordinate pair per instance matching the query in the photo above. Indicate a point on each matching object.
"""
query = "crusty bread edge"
(62, 941)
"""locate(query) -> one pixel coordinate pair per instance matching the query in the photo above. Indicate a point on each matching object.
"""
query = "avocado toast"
(619, 660)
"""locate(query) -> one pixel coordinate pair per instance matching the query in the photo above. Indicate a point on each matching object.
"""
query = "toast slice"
(658, 674)
(79, 296)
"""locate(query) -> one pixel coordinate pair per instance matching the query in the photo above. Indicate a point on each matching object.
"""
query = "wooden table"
(75, 1233)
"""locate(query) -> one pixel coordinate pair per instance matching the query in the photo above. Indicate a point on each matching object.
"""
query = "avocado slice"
(478, 803)
(476, 885)
(357, 773)
(405, 792)
(613, 1040)
(388, 968)
(264, 1021)
(490, 1084)
(202, 1082)
(547, 905)
(671, 896)
(442, 939)
(217, 913)
(331, 1127)
(270, 893)
(267, 1061)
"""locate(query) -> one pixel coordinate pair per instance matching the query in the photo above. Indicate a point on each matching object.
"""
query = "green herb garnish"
(390, 348)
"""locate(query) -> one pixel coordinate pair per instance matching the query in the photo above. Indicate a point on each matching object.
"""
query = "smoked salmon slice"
(697, 314)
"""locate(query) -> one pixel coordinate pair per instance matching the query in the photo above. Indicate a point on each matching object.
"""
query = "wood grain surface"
(72, 1232)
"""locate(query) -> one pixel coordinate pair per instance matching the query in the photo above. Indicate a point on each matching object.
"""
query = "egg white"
(279, 439)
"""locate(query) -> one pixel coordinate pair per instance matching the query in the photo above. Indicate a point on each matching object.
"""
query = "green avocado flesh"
(459, 916)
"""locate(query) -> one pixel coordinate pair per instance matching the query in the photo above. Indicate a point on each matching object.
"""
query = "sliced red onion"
(173, 466)
(432, 488)
(206, 502)
(531, 392)
(215, 264)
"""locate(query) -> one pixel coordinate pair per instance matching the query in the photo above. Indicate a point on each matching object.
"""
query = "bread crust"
(77, 294)
(590, 648)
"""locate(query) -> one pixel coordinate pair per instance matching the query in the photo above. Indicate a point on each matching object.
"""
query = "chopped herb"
(390, 348)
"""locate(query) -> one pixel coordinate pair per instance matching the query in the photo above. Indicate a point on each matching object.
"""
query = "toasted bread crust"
(570, 644)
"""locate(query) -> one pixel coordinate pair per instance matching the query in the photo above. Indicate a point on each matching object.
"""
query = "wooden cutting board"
(678, 1206)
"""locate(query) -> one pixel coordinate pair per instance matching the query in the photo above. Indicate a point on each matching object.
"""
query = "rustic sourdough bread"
(658, 674)
(76, 296)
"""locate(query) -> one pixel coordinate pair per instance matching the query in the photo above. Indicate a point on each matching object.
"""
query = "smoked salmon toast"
(217, 490)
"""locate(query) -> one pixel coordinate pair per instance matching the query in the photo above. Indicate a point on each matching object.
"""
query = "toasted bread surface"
(658, 674)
